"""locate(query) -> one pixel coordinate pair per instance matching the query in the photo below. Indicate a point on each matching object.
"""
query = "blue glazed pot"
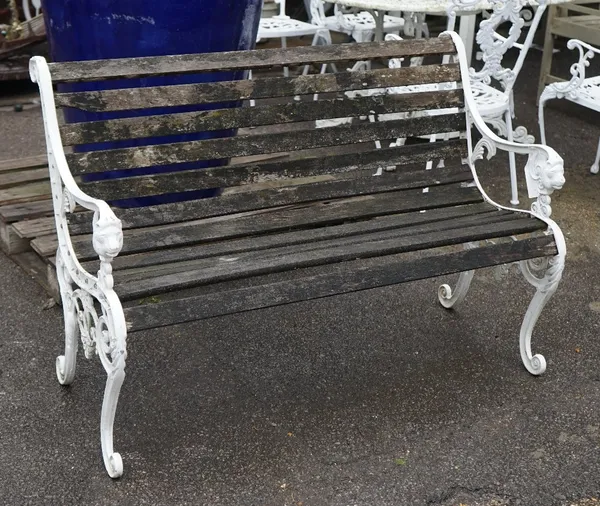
(99, 29)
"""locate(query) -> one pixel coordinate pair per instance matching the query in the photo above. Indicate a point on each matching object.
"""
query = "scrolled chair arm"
(107, 230)
(544, 169)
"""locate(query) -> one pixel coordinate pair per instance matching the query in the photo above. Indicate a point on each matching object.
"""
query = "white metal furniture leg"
(65, 364)
(596, 165)
(541, 120)
(112, 460)
(545, 285)
(448, 297)
(514, 192)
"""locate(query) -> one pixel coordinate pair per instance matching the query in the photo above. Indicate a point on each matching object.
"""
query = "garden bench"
(324, 220)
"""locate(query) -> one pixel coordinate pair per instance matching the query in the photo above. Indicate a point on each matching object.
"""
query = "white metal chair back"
(282, 13)
(494, 46)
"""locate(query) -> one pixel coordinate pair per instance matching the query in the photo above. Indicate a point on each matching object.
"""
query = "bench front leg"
(91, 307)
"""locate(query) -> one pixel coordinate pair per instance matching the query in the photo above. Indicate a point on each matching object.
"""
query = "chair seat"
(284, 26)
(490, 101)
(335, 237)
(362, 21)
(588, 95)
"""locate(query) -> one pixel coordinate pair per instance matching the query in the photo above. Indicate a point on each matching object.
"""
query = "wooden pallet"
(26, 215)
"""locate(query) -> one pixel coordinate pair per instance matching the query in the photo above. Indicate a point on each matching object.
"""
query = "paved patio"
(377, 398)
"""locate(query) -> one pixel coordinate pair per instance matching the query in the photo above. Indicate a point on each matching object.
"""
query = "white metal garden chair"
(359, 25)
(493, 84)
(283, 26)
(581, 90)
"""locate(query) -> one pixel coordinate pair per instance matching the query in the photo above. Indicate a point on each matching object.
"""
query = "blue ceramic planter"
(99, 29)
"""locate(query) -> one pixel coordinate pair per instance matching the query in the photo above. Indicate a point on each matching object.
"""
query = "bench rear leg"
(448, 297)
(545, 285)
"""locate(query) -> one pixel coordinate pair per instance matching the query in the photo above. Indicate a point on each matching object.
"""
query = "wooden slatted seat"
(330, 210)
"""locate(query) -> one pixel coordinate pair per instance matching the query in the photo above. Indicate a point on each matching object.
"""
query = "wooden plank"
(228, 271)
(373, 206)
(10, 242)
(342, 278)
(242, 174)
(265, 87)
(242, 117)
(45, 246)
(35, 228)
(245, 145)
(27, 210)
(25, 193)
(202, 236)
(16, 178)
(246, 251)
(95, 70)
(30, 162)
(274, 197)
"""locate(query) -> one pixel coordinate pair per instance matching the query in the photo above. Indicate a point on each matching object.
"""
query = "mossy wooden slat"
(242, 174)
(121, 68)
(342, 278)
(246, 233)
(245, 145)
(228, 271)
(274, 197)
(240, 117)
(46, 245)
(279, 245)
(266, 87)
(386, 203)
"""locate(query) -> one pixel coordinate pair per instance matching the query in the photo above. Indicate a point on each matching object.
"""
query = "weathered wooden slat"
(261, 266)
(266, 87)
(152, 240)
(282, 245)
(342, 278)
(27, 210)
(352, 208)
(241, 117)
(95, 70)
(243, 233)
(45, 245)
(16, 178)
(35, 228)
(245, 145)
(274, 197)
(25, 193)
(30, 162)
(35, 267)
(241, 174)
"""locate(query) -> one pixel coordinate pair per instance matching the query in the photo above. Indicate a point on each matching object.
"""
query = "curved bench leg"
(112, 460)
(65, 364)
(545, 285)
(448, 297)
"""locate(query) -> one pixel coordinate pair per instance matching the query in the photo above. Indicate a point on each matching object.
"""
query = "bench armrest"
(107, 235)
(570, 88)
(544, 170)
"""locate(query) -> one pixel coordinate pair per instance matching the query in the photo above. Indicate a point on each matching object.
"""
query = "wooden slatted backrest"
(281, 122)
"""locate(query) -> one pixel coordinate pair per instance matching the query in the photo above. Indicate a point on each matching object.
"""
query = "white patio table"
(437, 7)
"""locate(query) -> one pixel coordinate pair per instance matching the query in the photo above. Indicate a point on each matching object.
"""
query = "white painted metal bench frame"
(93, 310)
